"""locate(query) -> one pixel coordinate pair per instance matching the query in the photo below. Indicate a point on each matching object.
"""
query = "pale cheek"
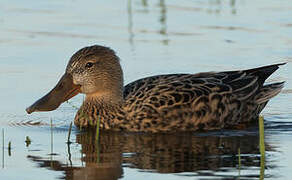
(77, 79)
(88, 87)
(88, 84)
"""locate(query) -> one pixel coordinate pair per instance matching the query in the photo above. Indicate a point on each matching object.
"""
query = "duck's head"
(94, 71)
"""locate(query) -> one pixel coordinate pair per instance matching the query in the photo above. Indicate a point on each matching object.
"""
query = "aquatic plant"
(262, 147)
(27, 141)
(9, 148)
(69, 134)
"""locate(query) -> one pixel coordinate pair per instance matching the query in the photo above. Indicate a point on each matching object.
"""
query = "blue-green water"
(37, 39)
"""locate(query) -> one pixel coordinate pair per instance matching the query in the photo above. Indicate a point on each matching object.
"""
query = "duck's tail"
(265, 92)
(268, 91)
(263, 72)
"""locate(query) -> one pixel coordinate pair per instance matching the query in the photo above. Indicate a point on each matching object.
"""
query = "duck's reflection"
(162, 153)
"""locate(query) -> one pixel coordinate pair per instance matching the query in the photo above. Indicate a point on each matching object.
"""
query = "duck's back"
(205, 101)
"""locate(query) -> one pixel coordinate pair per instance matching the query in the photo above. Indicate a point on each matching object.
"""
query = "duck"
(162, 103)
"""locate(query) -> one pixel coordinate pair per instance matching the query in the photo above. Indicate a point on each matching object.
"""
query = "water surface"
(151, 37)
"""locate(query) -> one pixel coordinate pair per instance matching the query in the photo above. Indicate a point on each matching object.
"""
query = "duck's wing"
(210, 96)
(244, 83)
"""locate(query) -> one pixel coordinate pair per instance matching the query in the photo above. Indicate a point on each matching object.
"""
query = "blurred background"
(37, 38)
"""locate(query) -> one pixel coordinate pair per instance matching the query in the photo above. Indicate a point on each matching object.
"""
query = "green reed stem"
(9, 148)
(239, 162)
(27, 141)
(97, 129)
(97, 139)
(69, 133)
(69, 153)
(262, 147)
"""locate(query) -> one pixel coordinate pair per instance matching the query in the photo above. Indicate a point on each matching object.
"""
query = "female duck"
(163, 103)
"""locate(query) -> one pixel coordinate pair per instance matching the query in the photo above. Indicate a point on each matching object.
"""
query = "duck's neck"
(110, 98)
(104, 108)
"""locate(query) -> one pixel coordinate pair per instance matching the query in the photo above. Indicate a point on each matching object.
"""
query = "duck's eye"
(89, 65)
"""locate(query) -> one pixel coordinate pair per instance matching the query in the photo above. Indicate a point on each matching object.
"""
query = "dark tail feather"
(263, 72)
(268, 91)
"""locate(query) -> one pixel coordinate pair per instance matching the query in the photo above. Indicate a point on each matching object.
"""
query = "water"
(152, 37)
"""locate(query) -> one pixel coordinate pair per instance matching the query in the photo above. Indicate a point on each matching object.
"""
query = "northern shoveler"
(162, 103)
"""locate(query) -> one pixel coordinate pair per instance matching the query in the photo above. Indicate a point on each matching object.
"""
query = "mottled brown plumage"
(163, 103)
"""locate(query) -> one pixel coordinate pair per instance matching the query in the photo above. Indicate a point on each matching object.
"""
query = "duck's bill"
(63, 91)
